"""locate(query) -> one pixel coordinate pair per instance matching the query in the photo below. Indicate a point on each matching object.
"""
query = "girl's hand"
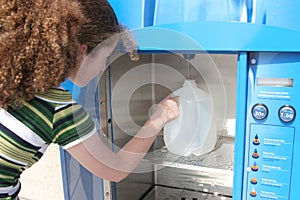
(167, 110)
(170, 108)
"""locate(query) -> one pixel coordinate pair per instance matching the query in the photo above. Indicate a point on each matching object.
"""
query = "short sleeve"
(72, 125)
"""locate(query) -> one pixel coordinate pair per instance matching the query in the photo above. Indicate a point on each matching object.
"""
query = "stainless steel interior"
(163, 175)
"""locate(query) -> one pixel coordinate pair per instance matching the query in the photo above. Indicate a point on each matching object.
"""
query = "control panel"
(272, 136)
(270, 161)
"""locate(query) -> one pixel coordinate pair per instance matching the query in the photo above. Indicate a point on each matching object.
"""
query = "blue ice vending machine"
(258, 63)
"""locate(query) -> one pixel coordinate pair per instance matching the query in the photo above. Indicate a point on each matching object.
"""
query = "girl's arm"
(94, 155)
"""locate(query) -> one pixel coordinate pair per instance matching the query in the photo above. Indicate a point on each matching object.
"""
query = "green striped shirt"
(26, 132)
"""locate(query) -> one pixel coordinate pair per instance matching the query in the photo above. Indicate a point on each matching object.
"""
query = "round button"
(287, 113)
(259, 111)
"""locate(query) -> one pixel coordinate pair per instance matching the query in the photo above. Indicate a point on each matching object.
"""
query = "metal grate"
(171, 193)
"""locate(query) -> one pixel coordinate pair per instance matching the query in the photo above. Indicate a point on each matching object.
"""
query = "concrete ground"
(44, 179)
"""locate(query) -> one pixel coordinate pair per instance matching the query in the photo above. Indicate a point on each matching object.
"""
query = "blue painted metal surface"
(197, 10)
(271, 146)
(239, 141)
(280, 13)
(134, 13)
(130, 13)
(218, 36)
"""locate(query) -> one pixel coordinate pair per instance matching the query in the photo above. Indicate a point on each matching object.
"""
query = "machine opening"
(135, 87)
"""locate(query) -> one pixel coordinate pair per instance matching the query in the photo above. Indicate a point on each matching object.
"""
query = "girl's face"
(90, 65)
(98, 56)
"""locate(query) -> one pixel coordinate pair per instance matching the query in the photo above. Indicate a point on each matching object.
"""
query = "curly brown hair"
(103, 23)
(38, 46)
(40, 41)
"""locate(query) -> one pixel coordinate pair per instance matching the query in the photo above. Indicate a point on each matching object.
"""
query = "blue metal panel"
(197, 10)
(134, 13)
(64, 173)
(281, 13)
(74, 90)
(218, 36)
(130, 12)
(271, 145)
(78, 182)
(149, 12)
(241, 106)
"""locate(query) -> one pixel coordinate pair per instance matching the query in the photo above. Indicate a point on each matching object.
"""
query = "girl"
(42, 42)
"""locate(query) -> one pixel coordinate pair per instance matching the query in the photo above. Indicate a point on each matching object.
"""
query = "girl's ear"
(83, 49)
